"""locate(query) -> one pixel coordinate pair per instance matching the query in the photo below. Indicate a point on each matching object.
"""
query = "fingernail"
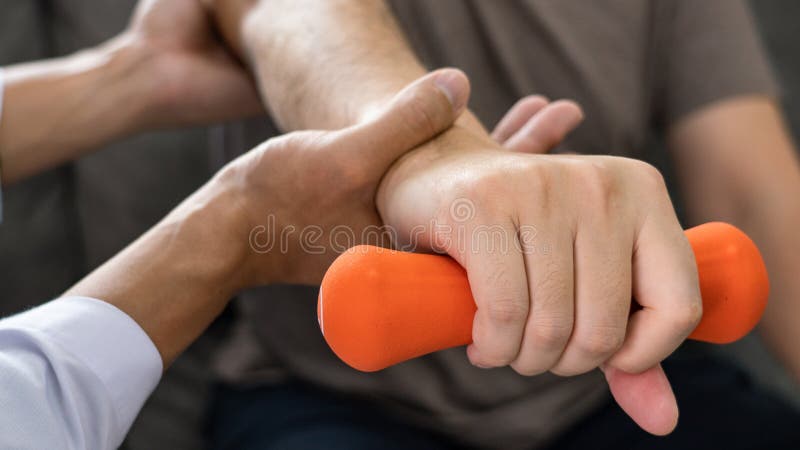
(453, 83)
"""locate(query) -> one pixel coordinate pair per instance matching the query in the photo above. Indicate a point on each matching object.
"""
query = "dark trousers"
(720, 409)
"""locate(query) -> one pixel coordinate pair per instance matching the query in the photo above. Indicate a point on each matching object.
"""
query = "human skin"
(736, 162)
(178, 277)
(608, 222)
(166, 69)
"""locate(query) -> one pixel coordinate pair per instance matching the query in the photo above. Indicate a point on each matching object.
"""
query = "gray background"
(62, 224)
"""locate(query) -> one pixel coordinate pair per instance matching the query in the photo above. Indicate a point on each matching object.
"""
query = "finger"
(665, 285)
(550, 279)
(547, 128)
(496, 272)
(646, 397)
(517, 116)
(419, 112)
(602, 296)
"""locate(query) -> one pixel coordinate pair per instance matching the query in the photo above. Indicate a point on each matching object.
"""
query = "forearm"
(773, 227)
(737, 164)
(325, 64)
(58, 109)
(772, 223)
(178, 277)
(780, 326)
(320, 63)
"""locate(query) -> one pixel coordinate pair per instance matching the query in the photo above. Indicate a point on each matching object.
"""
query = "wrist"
(240, 227)
(466, 135)
(179, 276)
(351, 93)
(211, 227)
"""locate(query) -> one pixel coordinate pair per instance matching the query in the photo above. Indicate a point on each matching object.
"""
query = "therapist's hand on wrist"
(305, 197)
(269, 217)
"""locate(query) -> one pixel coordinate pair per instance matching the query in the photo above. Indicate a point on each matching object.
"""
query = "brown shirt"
(636, 66)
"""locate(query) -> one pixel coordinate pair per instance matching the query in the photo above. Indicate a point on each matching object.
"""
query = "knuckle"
(538, 180)
(601, 341)
(496, 357)
(488, 184)
(649, 176)
(631, 365)
(551, 333)
(484, 186)
(506, 311)
(481, 186)
(535, 172)
(494, 353)
(527, 370)
(686, 318)
(569, 371)
(492, 361)
(599, 185)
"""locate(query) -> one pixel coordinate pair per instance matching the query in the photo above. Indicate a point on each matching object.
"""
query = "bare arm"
(160, 72)
(344, 44)
(56, 109)
(736, 163)
(179, 276)
(322, 63)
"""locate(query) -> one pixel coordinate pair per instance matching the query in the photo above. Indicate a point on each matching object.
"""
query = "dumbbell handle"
(379, 307)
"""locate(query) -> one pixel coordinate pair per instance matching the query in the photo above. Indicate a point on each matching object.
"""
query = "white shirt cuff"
(108, 341)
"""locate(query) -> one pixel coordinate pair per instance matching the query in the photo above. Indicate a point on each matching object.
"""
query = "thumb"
(546, 128)
(415, 115)
(646, 397)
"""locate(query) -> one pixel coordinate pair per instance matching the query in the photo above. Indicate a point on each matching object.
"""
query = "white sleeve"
(74, 374)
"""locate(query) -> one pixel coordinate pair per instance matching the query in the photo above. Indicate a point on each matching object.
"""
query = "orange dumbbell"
(379, 307)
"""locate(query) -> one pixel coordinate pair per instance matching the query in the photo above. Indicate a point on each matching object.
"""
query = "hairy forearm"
(326, 64)
(178, 277)
(320, 63)
(58, 109)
